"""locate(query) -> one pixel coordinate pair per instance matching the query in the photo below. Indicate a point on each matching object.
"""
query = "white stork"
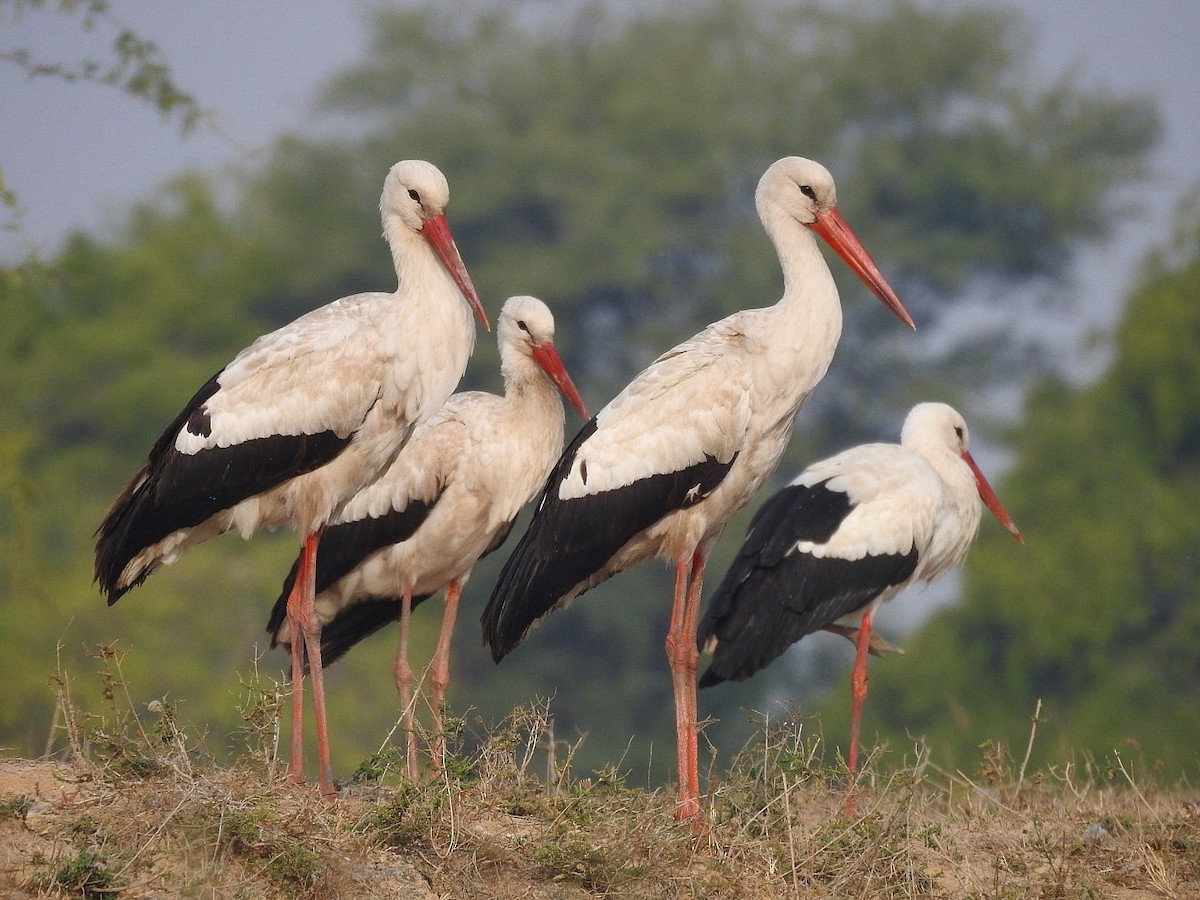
(305, 417)
(849, 533)
(663, 467)
(449, 499)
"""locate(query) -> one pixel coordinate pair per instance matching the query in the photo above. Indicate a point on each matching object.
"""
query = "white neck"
(527, 385)
(807, 280)
(413, 260)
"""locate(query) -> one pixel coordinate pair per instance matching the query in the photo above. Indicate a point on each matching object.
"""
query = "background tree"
(604, 160)
(47, 350)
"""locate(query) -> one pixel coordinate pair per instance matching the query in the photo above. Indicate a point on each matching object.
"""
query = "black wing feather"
(795, 513)
(773, 595)
(344, 547)
(568, 542)
(361, 619)
(178, 490)
(357, 622)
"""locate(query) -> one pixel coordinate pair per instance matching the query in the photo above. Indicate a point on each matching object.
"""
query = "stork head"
(939, 425)
(415, 194)
(804, 190)
(527, 325)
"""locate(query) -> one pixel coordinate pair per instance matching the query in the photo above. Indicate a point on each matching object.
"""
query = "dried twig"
(1037, 712)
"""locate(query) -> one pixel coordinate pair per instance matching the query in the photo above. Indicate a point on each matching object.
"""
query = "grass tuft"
(85, 874)
(141, 811)
(16, 806)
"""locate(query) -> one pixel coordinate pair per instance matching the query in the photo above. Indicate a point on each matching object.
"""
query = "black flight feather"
(773, 595)
(177, 490)
(569, 541)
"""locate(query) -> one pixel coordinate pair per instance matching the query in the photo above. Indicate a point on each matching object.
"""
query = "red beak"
(833, 228)
(990, 500)
(547, 357)
(437, 232)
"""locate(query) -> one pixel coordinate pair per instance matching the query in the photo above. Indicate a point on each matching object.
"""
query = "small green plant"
(256, 835)
(116, 736)
(16, 807)
(379, 765)
(780, 757)
(260, 710)
(568, 855)
(84, 875)
(407, 818)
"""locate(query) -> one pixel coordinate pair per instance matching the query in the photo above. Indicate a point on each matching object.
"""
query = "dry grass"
(137, 812)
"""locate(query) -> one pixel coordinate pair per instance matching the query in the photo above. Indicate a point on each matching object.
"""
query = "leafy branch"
(136, 67)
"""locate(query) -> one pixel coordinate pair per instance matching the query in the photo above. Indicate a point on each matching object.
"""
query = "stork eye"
(808, 192)
(521, 324)
(412, 192)
(958, 430)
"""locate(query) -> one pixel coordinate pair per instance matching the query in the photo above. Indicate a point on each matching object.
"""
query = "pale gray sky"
(79, 155)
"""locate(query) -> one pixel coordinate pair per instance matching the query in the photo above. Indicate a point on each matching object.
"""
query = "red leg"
(858, 693)
(683, 656)
(310, 626)
(440, 674)
(295, 613)
(690, 621)
(404, 682)
(858, 688)
(296, 760)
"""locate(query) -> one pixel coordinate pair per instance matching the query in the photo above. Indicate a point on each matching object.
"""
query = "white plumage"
(895, 498)
(692, 438)
(849, 533)
(449, 498)
(306, 416)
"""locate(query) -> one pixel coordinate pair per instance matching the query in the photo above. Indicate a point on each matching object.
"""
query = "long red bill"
(547, 357)
(833, 228)
(437, 232)
(990, 500)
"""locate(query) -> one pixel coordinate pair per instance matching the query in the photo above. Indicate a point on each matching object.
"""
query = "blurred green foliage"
(605, 160)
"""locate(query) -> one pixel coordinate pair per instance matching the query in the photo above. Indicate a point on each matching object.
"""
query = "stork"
(849, 533)
(662, 468)
(303, 419)
(450, 498)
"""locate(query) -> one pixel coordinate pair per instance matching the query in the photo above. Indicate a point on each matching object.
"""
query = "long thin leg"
(682, 657)
(858, 688)
(691, 618)
(858, 693)
(294, 604)
(296, 759)
(310, 626)
(440, 670)
(404, 682)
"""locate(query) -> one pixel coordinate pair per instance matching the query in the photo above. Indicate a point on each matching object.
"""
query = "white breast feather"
(418, 471)
(480, 495)
(897, 497)
(958, 519)
(319, 373)
(691, 403)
